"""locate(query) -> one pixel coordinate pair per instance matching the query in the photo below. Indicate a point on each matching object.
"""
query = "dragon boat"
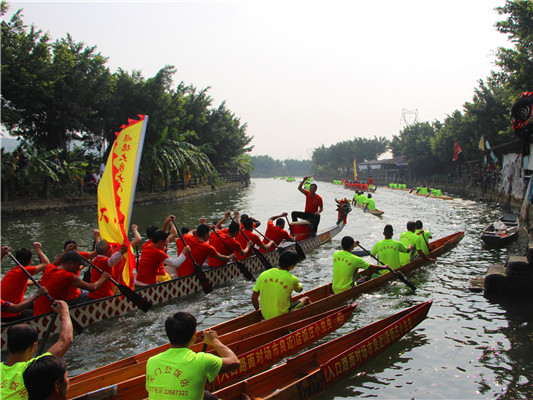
(322, 298)
(95, 311)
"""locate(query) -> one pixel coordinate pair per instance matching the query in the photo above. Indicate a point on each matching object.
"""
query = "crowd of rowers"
(45, 377)
(208, 244)
(366, 202)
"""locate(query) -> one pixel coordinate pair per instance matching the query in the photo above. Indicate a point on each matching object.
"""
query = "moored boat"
(434, 197)
(257, 347)
(250, 324)
(310, 373)
(94, 311)
(503, 231)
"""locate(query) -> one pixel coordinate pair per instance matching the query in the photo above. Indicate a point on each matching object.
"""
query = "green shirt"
(275, 287)
(345, 265)
(422, 241)
(359, 199)
(12, 386)
(370, 204)
(423, 190)
(180, 373)
(407, 238)
(388, 251)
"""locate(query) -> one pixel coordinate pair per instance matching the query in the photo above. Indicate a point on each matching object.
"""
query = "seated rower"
(189, 371)
(17, 308)
(369, 203)
(388, 250)
(422, 242)
(14, 283)
(72, 245)
(346, 267)
(274, 287)
(162, 274)
(408, 239)
(200, 249)
(63, 283)
(21, 345)
(248, 230)
(228, 236)
(106, 261)
(47, 378)
(154, 258)
(276, 232)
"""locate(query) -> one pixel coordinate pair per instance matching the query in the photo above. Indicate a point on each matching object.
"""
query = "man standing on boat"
(313, 206)
(179, 372)
(273, 289)
(21, 344)
(346, 267)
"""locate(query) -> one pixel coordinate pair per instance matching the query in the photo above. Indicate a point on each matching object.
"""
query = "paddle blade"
(262, 259)
(76, 325)
(135, 298)
(300, 252)
(245, 271)
(402, 277)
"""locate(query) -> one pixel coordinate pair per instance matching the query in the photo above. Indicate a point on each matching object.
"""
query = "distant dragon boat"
(94, 311)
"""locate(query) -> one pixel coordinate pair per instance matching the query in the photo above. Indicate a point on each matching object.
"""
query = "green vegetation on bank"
(54, 92)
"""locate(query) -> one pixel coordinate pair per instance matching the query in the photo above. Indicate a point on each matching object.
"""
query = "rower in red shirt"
(60, 280)
(313, 206)
(228, 236)
(154, 257)
(248, 229)
(200, 250)
(105, 260)
(275, 232)
(14, 283)
(162, 274)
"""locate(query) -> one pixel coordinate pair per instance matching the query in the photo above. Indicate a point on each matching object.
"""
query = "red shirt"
(231, 242)
(150, 263)
(312, 203)
(13, 287)
(252, 237)
(275, 233)
(107, 289)
(199, 250)
(59, 285)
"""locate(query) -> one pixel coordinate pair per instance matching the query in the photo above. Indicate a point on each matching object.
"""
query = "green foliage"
(337, 160)
(266, 166)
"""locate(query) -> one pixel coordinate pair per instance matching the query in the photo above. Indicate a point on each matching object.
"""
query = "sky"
(300, 74)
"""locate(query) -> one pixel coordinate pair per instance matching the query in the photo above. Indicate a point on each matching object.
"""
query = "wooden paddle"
(297, 246)
(42, 345)
(75, 324)
(135, 298)
(398, 274)
(427, 244)
(245, 271)
(257, 253)
(206, 285)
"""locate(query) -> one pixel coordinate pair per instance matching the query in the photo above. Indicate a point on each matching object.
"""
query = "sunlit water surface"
(467, 348)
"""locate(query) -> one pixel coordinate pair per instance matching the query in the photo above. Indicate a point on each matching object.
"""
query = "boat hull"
(94, 311)
(252, 324)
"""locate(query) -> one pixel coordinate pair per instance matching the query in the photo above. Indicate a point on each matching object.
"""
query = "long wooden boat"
(312, 372)
(373, 212)
(250, 324)
(434, 197)
(97, 310)
(503, 231)
(257, 353)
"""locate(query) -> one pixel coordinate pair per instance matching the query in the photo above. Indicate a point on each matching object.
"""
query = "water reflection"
(467, 348)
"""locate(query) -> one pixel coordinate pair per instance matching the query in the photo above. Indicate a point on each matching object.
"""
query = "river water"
(467, 348)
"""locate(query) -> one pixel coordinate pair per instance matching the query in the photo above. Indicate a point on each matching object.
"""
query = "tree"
(516, 64)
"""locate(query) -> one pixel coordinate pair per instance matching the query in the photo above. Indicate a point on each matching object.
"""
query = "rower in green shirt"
(369, 203)
(422, 242)
(388, 250)
(346, 267)
(408, 239)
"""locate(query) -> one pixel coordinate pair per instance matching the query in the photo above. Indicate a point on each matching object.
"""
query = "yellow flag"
(116, 191)
(354, 170)
(481, 144)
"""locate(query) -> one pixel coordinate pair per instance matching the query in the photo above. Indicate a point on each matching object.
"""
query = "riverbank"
(89, 202)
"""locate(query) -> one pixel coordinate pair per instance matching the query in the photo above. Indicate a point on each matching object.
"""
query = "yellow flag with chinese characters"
(116, 192)
(354, 170)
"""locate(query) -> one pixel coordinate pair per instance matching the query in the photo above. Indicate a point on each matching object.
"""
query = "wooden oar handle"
(224, 243)
(90, 264)
(255, 229)
(185, 244)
